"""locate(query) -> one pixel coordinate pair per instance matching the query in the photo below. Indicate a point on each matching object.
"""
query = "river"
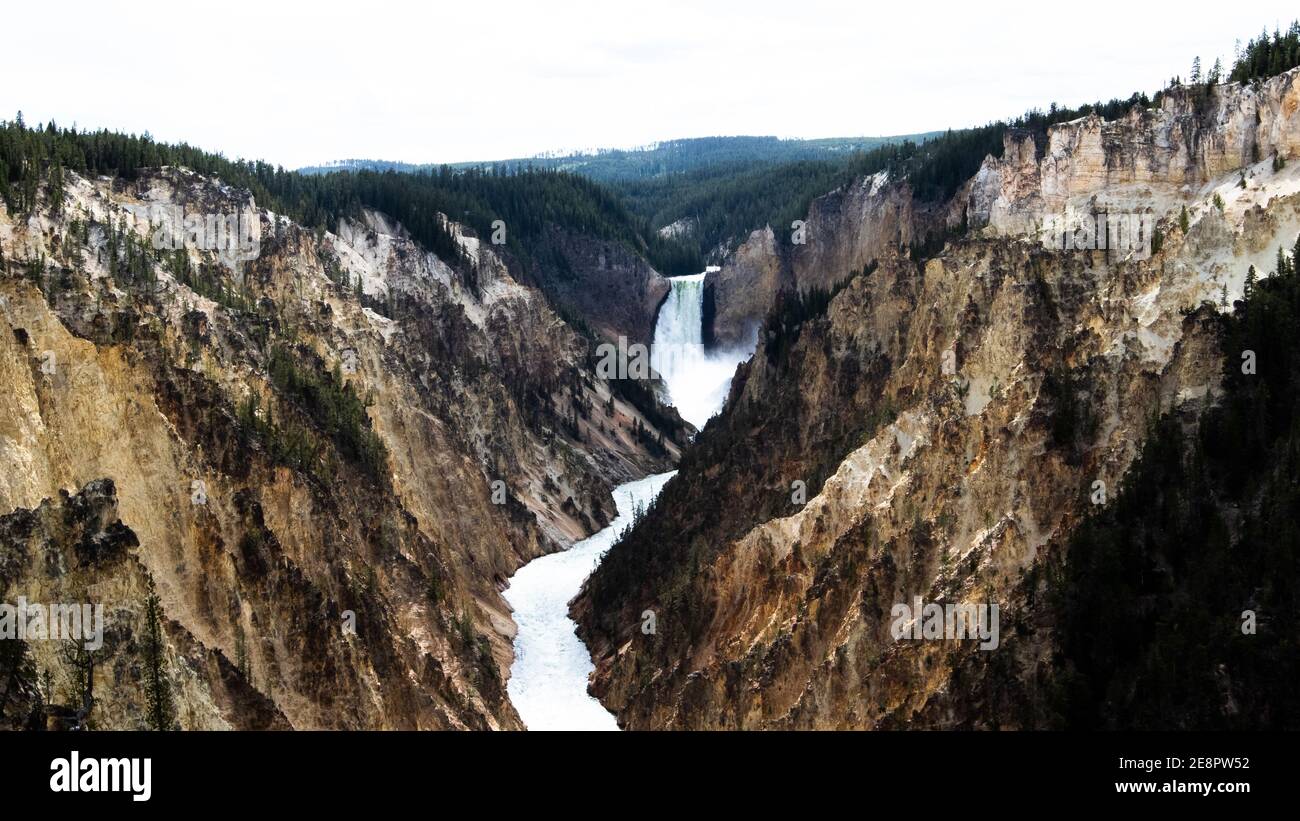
(548, 680)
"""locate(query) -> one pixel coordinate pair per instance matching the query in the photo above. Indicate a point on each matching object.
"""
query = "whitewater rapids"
(548, 680)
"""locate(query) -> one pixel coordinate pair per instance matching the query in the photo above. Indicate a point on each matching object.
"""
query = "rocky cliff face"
(77, 545)
(1149, 161)
(844, 232)
(949, 420)
(744, 287)
(326, 462)
(603, 283)
(1151, 158)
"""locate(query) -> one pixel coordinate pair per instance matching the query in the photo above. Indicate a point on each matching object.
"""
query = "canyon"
(347, 482)
(948, 414)
(162, 429)
(548, 682)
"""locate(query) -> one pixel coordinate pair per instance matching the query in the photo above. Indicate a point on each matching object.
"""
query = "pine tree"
(15, 668)
(56, 187)
(241, 651)
(158, 692)
(81, 675)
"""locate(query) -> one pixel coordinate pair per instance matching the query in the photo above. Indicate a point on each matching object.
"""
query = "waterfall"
(697, 380)
(548, 680)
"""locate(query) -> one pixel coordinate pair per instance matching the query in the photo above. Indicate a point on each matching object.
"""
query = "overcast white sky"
(308, 82)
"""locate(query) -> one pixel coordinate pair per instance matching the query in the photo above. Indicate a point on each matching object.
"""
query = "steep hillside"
(1172, 606)
(949, 408)
(324, 451)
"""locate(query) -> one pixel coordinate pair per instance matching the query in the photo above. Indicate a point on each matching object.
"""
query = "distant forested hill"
(722, 187)
(660, 159)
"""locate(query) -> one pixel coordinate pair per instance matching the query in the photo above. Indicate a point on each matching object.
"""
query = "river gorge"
(548, 680)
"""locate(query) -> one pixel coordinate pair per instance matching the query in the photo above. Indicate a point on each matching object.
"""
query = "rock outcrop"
(742, 290)
(1148, 156)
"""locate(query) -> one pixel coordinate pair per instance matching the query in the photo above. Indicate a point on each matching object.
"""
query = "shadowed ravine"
(548, 680)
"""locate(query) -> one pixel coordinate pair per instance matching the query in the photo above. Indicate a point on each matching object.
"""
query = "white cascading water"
(697, 380)
(548, 680)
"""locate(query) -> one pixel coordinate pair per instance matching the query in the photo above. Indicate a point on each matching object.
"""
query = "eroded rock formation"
(327, 461)
(949, 417)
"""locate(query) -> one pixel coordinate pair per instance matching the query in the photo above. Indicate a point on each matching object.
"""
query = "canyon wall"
(326, 461)
(615, 291)
(1150, 160)
(940, 427)
(845, 230)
